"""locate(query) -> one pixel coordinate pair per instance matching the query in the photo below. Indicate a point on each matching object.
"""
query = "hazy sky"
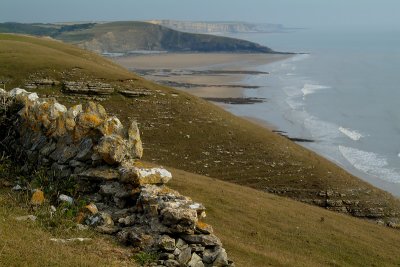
(294, 13)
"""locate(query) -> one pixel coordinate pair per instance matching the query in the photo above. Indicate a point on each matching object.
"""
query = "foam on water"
(370, 163)
(320, 130)
(354, 135)
(312, 88)
(291, 91)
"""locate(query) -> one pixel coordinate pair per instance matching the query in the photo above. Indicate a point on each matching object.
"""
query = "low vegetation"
(260, 229)
(25, 242)
(191, 134)
(125, 37)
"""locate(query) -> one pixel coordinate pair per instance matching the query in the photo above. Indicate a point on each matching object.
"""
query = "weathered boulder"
(125, 197)
(179, 220)
(37, 197)
(113, 149)
(100, 174)
(195, 261)
(142, 175)
(92, 116)
(85, 149)
(166, 243)
(135, 142)
(185, 256)
(112, 126)
(222, 259)
(205, 240)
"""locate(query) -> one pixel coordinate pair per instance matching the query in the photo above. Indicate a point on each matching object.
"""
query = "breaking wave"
(370, 163)
(354, 135)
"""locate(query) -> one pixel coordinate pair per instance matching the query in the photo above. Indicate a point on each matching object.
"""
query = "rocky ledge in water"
(236, 100)
(124, 197)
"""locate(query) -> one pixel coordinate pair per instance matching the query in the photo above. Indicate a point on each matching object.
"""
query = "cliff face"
(218, 27)
(125, 37)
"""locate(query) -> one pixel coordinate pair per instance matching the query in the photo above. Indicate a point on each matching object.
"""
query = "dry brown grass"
(188, 133)
(26, 243)
(260, 229)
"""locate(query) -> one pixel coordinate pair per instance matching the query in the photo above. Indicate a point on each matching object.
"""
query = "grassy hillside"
(256, 228)
(260, 229)
(124, 37)
(26, 243)
(188, 133)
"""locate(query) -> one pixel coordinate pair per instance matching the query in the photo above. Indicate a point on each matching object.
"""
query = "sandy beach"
(208, 75)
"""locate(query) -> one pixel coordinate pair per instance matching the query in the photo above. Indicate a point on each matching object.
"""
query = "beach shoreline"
(198, 71)
(195, 72)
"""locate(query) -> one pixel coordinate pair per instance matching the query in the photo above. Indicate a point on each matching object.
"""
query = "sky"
(291, 13)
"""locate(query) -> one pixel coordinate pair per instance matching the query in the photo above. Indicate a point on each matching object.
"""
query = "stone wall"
(125, 197)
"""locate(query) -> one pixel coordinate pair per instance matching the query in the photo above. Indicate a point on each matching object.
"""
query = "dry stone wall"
(126, 197)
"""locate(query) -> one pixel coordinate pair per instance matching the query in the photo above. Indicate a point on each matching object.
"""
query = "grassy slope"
(130, 35)
(28, 244)
(22, 55)
(231, 149)
(171, 121)
(260, 229)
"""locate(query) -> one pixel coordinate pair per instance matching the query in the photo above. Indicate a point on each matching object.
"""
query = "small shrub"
(144, 258)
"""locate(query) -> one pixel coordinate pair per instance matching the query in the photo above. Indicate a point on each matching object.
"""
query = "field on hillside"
(188, 133)
(261, 229)
(27, 243)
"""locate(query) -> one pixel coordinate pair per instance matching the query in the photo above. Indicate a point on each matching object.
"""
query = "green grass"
(188, 133)
(260, 229)
(28, 243)
(185, 132)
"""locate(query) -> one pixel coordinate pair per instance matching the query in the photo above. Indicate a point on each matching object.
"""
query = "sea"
(343, 93)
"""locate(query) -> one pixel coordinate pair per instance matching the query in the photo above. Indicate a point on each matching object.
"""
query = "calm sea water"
(345, 95)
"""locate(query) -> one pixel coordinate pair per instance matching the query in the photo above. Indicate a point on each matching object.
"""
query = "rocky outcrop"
(220, 27)
(90, 88)
(41, 83)
(125, 197)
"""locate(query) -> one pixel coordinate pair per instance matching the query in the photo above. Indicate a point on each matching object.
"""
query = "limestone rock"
(66, 199)
(112, 126)
(222, 259)
(209, 255)
(135, 142)
(100, 174)
(185, 256)
(113, 149)
(171, 263)
(205, 240)
(87, 120)
(128, 220)
(204, 228)
(71, 115)
(195, 261)
(143, 175)
(179, 220)
(166, 243)
(85, 141)
(37, 197)
(92, 208)
(64, 153)
(85, 149)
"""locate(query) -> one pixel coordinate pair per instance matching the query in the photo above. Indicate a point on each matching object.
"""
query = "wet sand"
(198, 70)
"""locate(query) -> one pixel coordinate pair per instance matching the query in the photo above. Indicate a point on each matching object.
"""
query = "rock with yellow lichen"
(139, 175)
(37, 197)
(125, 197)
